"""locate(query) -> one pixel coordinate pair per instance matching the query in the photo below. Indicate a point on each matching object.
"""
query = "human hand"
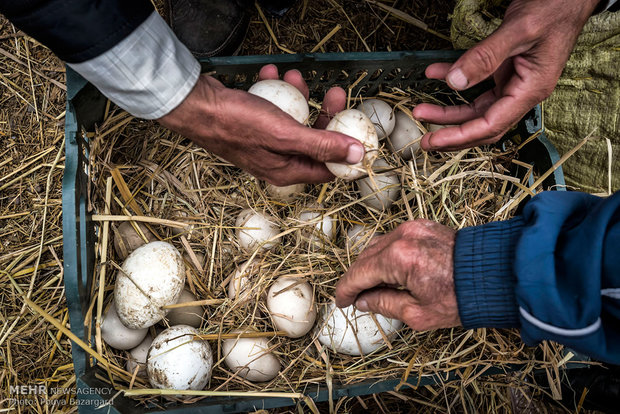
(406, 275)
(525, 56)
(258, 137)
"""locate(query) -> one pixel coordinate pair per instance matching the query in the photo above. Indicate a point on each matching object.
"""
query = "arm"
(554, 272)
(130, 54)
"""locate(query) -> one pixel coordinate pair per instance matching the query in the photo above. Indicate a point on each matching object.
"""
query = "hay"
(33, 346)
(163, 180)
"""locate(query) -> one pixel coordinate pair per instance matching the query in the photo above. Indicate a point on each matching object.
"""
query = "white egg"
(321, 231)
(240, 282)
(188, 315)
(152, 276)
(380, 114)
(355, 124)
(290, 302)
(437, 127)
(349, 331)
(254, 229)
(137, 356)
(178, 361)
(358, 237)
(283, 95)
(384, 187)
(286, 193)
(250, 358)
(117, 335)
(404, 140)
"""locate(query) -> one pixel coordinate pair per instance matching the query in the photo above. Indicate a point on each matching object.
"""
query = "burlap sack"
(586, 99)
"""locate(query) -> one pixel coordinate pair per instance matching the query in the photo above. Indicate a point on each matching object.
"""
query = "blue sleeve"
(554, 272)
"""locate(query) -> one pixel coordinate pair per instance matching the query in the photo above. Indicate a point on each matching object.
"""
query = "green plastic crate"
(85, 108)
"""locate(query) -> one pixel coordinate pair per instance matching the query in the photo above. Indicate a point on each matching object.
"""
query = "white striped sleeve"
(149, 73)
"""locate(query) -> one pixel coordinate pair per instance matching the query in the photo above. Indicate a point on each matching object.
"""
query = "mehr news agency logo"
(41, 394)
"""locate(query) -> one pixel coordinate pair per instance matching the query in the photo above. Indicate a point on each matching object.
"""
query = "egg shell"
(339, 328)
(323, 230)
(117, 335)
(250, 358)
(403, 137)
(385, 187)
(189, 315)
(155, 269)
(355, 124)
(127, 239)
(283, 95)
(177, 361)
(240, 282)
(258, 229)
(358, 237)
(380, 114)
(286, 193)
(137, 356)
(292, 310)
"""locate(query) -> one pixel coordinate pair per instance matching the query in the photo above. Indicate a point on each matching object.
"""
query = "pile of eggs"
(152, 276)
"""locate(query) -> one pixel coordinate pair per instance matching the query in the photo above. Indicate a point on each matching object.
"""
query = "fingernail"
(430, 144)
(361, 305)
(457, 79)
(355, 154)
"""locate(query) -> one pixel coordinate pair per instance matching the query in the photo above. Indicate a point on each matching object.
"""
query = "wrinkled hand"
(258, 137)
(525, 56)
(416, 257)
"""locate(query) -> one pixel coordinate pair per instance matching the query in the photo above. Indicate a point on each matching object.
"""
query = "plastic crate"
(85, 108)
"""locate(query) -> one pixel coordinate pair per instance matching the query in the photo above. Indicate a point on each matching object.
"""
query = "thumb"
(329, 146)
(391, 303)
(481, 61)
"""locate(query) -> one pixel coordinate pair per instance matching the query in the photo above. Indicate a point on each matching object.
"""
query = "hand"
(416, 257)
(258, 137)
(525, 56)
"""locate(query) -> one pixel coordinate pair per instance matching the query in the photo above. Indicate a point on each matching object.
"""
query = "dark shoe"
(277, 8)
(209, 27)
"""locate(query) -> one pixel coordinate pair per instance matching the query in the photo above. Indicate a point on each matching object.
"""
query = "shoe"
(277, 8)
(209, 27)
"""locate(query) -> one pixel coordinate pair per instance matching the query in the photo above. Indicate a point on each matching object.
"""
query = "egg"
(384, 187)
(188, 315)
(358, 237)
(152, 276)
(250, 358)
(355, 124)
(404, 139)
(240, 282)
(352, 332)
(290, 302)
(323, 230)
(127, 239)
(254, 229)
(117, 335)
(380, 114)
(178, 361)
(286, 193)
(285, 96)
(137, 356)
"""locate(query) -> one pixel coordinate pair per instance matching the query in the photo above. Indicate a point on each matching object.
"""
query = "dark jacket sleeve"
(77, 30)
(554, 272)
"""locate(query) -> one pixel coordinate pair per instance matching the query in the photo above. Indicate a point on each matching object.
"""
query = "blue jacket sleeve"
(554, 272)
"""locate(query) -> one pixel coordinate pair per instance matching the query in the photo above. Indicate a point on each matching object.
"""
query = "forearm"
(124, 48)
(554, 272)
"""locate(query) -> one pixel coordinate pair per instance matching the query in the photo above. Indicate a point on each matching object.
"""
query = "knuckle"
(321, 149)
(411, 317)
(485, 58)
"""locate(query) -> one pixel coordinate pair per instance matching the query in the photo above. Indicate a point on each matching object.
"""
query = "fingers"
(303, 170)
(326, 146)
(481, 61)
(293, 77)
(335, 100)
(391, 303)
(454, 114)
